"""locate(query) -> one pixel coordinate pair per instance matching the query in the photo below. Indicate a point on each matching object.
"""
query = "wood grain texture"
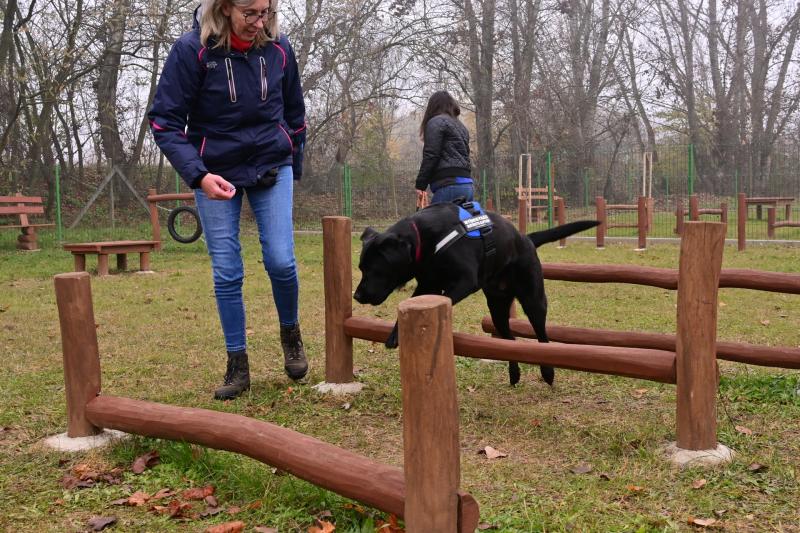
(696, 364)
(430, 414)
(653, 365)
(774, 356)
(80, 350)
(338, 280)
(641, 220)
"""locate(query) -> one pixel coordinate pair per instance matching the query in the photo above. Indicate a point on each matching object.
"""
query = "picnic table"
(770, 201)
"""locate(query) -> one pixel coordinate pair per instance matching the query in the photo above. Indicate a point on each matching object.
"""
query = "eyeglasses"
(251, 17)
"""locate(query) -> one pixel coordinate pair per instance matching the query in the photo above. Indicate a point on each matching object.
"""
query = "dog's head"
(386, 264)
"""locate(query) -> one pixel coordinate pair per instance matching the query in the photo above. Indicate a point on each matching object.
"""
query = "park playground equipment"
(688, 359)
(425, 492)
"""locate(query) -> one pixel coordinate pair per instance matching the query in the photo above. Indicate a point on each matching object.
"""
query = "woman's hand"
(422, 199)
(216, 188)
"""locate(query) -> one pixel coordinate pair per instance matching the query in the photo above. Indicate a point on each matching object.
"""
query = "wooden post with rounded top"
(642, 222)
(338, 280)
(79, 345)
(696, 362)
(741, 222)
(430, 414)
(600, 202)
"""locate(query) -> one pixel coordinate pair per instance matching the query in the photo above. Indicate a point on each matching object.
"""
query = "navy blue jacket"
(229, 113)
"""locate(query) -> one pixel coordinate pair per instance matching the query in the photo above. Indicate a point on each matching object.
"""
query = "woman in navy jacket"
(229, 115)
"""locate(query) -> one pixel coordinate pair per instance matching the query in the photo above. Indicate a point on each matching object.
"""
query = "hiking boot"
(294, 355)
(237, 377)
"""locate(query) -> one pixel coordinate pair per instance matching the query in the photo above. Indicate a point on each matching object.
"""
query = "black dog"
(503, 263)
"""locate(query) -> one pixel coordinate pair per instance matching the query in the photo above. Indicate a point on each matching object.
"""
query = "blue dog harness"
(473, 224)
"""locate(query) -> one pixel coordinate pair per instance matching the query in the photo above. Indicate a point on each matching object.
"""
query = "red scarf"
(240, 45)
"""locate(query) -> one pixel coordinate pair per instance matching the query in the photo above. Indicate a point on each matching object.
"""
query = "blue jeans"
(448, 193)
(272, 209)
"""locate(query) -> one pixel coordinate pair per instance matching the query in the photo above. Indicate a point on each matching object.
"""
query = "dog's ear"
(368, 234)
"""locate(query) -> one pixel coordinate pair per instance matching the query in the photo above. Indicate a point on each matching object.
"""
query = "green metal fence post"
(59, 225)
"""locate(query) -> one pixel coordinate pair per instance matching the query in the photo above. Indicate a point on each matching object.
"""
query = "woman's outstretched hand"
(422, 199)
(216, 188)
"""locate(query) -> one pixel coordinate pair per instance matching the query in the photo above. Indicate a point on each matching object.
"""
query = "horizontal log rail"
(774, 356)
(653, 365)
(166, 197)
(325, 465)
(667, 278)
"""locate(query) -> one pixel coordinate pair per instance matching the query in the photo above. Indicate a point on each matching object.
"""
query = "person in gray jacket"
(445, 166)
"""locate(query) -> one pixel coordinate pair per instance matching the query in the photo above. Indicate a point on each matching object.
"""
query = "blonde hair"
(214, 23)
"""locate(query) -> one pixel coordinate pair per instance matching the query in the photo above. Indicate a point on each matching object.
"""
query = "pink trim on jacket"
(282, 52)
(287, 136)
(203, 147)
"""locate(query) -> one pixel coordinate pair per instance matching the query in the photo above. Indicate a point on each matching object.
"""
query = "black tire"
(171, 224)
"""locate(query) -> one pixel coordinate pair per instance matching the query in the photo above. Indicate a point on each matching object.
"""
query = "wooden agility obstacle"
(695, 212)
(772, 223)
(642, 219)
(743, 204)
(691, 363)
(425, 492)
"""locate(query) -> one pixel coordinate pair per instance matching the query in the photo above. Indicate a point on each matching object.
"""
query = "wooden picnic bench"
(22, 207)
(533, 196)
(770, 201)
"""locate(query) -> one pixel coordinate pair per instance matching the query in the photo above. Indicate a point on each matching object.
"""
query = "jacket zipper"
(231, 83)
(264, 81)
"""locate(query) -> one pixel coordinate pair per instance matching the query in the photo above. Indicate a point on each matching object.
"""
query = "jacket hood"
(198, 12)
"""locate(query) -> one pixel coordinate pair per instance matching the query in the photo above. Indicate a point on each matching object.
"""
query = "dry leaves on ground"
(99, 523)
(143, 462)
(227, 527)
(581, 468)
(492, 453)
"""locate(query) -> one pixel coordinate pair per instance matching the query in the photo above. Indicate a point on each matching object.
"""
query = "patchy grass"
(160, 340)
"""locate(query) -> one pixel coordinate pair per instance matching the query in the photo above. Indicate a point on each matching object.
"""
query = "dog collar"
(418, 252)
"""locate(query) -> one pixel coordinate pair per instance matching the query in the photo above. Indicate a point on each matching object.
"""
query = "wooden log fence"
(695, 212)
(642, 220)
(772, 202)
(425, 492)
(690, 361)
(772, 223)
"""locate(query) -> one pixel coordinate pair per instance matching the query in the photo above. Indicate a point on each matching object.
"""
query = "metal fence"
(379, 194)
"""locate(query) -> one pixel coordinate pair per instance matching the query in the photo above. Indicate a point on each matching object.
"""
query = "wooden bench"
(21, 207)
(104, 249)
(530, 195)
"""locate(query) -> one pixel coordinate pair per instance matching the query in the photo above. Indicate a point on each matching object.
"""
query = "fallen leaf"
(121, 501)
(197, 493)
(744, 430)
(635, 488)
(392, 526)
(233, 509)
(322, 526)
(143, 462)
(254, 505)
(699, 483)
(756, 467)
(720, 512)
(265, 529)
(162, 493)
(638, 393)
(492, 453)
(175, 509)
(210, 511)
(211, 501)
(99, 523)
(227, 527)
(765, 322)
(138, 498)
(581, 468)
(536, 422)
(703, 522)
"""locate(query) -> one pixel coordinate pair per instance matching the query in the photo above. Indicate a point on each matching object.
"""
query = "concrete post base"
(682, 458)
(63, 443)
(338, 389)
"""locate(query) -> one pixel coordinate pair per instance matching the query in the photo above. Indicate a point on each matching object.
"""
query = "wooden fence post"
(694, 208)
(430, 414)
(338, 280)
(79, 345)
(642, 222)
(679, 216)
(600, 202)
(771, 218)
(522, 216)
(741, 222)
(696, 363)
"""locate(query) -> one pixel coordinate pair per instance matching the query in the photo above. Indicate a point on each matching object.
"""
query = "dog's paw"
(548, 374)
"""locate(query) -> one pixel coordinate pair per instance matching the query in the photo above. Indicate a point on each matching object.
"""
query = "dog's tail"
(557, 233)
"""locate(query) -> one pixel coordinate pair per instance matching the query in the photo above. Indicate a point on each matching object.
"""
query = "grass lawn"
(160, 340)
